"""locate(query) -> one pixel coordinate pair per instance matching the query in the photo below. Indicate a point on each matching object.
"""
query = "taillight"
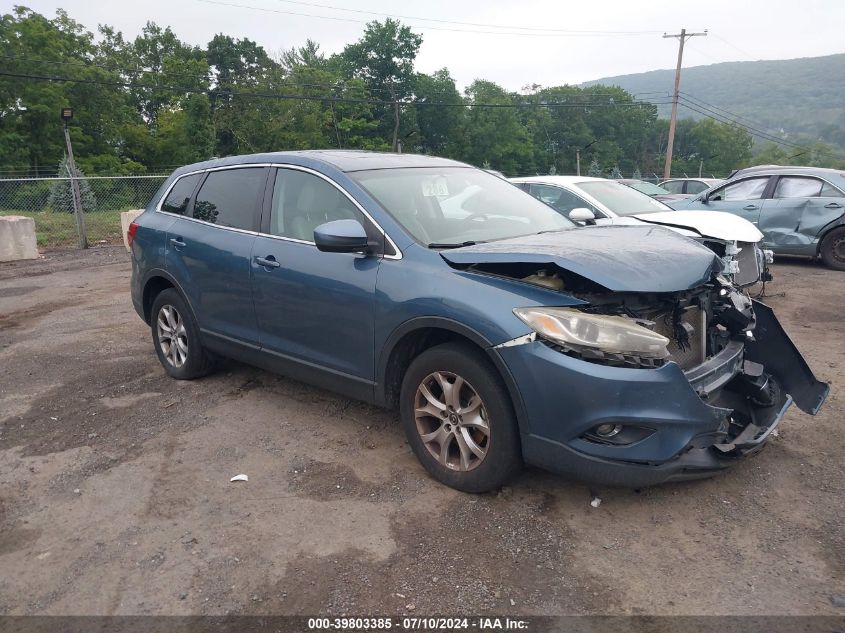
(130, 233)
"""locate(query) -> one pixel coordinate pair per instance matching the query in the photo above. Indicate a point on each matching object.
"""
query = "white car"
(601, 201)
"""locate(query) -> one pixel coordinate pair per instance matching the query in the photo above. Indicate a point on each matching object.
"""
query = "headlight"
(582, 331)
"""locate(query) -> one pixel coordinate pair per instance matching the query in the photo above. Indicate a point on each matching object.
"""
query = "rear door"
(315, 310)
(800, 207)
(209, 251)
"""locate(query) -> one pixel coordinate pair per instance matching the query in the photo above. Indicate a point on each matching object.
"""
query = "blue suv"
(501, 332)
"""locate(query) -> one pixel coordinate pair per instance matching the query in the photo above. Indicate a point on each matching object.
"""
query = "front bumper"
(701, 421)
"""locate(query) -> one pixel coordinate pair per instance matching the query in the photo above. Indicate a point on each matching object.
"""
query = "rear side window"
(795, 187)
(829, 191)
(674, 186)
(228, 197)
(179, 196)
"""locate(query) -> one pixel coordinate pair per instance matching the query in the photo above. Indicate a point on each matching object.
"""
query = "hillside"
(797, 99)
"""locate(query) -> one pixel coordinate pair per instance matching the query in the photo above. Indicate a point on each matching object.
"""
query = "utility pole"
(78, 211)
(578, 157)
(683, 36)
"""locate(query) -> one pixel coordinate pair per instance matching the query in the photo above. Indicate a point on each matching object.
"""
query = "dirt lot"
(115, 494)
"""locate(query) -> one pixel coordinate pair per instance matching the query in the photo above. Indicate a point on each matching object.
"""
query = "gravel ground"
(115, 495)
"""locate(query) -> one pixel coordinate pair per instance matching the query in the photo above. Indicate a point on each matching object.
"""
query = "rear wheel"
(176, 338)
(832, 249)
(459, 420)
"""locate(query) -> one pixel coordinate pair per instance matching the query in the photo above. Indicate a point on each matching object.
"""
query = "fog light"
(608, 430)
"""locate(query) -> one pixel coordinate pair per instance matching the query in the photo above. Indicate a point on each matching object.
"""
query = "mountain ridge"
(797, 100)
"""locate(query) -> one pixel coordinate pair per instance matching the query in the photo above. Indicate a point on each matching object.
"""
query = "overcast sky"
(521, 52)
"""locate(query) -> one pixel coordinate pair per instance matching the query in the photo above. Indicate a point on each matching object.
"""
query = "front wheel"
(459, 420)
(832, 249)
(176, 338)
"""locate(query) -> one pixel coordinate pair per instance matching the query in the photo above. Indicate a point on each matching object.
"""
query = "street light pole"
(78, 211)
(683, 36)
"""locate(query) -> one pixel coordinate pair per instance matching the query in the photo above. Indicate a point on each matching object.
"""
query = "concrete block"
(17, 238)
(126, 218)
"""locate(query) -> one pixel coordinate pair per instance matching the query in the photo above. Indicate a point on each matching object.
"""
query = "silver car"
(799, 210)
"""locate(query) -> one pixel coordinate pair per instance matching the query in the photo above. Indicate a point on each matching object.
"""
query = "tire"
(172, 320)
(480, 420)
(832, 249)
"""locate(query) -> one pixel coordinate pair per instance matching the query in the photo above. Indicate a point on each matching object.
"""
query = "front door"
(313, 308)
(743, 198)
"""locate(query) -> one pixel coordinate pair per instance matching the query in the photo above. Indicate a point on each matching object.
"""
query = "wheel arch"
(156, 281)
(411, 338)
(838, 223)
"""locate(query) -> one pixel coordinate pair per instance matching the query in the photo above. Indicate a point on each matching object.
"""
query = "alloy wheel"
(172, 336)
(452, 421)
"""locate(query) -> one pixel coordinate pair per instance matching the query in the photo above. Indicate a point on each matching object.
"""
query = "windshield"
(450, 206)
(621, 199)
(648, 188)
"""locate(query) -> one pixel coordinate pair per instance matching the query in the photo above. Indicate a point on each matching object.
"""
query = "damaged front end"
(642, 374)
(732, 350)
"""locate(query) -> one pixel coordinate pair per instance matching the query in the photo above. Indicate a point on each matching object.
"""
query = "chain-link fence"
(49, 201)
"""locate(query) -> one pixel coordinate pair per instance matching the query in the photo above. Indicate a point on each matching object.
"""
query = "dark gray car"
(799, 210)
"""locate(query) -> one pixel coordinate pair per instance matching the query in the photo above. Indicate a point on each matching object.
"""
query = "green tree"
(496, 134)
(595, 170)
(384, 59)
(61, 191)
(441, 127)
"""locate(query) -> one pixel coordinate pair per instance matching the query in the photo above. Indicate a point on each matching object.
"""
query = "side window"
(179, 196)
(674, 186)
(303, 201)
(559, 199)
(694, 187)
(228, 197)
(749, 189)
(797, 187)
(829, 191)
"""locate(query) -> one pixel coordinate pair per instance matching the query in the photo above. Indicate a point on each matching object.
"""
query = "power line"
(724, 119)
(424, 27)
(483, 25)
(753, 132)
(337, 99)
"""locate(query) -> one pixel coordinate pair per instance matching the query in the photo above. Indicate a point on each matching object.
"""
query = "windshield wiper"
(448, 245)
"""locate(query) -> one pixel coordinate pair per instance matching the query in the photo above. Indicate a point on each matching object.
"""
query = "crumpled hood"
(715, 224)
(620, 258)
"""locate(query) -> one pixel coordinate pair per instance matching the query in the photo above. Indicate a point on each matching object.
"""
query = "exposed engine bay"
(709, 329)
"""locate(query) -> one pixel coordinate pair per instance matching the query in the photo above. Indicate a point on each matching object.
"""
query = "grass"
(59, 229)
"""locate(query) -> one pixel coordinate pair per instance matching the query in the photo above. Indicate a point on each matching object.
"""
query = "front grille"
(749, 266)
(694, 352)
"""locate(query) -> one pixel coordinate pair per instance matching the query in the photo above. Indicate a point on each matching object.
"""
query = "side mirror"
(582, 215)
(341, 236)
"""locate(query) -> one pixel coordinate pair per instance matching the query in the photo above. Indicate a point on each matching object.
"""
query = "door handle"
(267, 262)
(177, 242)
(749, 207)
(833, 205)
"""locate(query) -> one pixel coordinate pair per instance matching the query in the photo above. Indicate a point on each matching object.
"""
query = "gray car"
(690, 186)
(799, 210)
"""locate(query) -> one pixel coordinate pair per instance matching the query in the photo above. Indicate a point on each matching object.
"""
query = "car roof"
(702, 179)
(788, 169)
(560, 180)
(343, 160)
